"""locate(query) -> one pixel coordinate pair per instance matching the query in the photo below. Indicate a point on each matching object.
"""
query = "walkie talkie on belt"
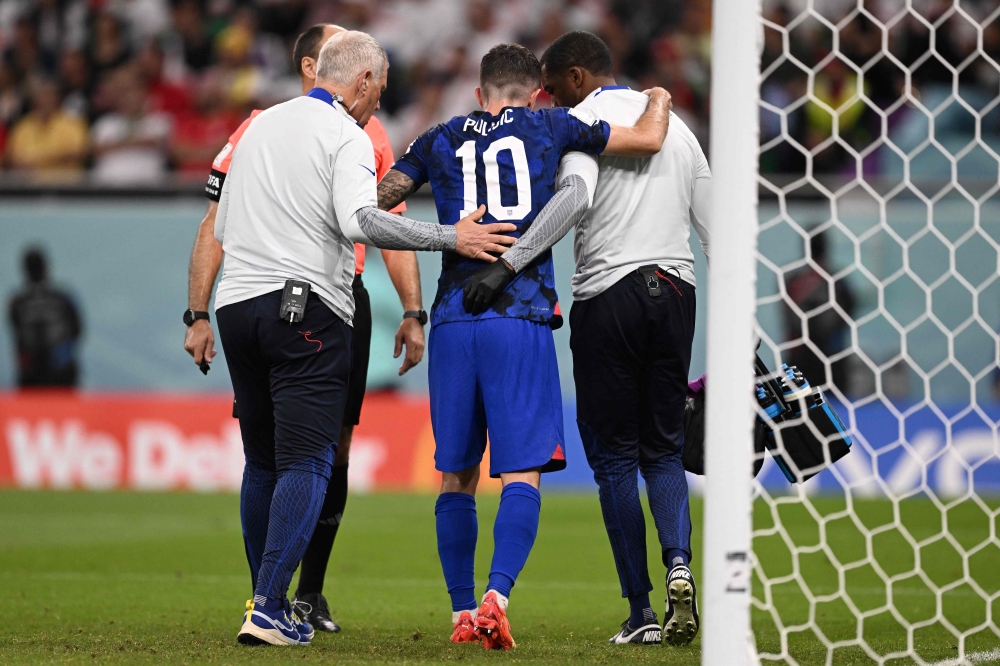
(293, 301)
(649, 278)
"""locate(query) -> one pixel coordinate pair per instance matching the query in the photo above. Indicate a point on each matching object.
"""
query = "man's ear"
(480, 98)
(308, 67)
(363, 81)
(533, 98)
(576, 76)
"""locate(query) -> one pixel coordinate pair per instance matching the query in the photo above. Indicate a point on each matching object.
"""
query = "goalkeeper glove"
(485, 285)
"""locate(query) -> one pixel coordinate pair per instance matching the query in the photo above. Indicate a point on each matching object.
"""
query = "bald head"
(307, 46)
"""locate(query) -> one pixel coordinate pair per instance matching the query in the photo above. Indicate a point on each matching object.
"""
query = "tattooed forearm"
(394, 188)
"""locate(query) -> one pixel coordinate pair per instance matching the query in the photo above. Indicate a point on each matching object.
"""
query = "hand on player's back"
(475, 240)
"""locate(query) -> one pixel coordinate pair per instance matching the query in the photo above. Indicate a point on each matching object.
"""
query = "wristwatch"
(191, 316)
(419, 315)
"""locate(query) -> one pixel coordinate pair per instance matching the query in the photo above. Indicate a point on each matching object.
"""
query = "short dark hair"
(308, 45)
(510, 70)
(578, 49)
(35, 265)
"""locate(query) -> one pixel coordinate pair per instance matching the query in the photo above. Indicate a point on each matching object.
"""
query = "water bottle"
(794, 383)
(767, 403)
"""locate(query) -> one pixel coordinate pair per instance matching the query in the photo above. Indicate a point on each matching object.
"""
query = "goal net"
(877, 277)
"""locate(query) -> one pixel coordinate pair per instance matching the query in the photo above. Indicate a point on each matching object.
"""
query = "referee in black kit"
(301, 190)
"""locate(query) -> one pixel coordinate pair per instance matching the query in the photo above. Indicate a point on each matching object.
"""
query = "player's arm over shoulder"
(646, 137)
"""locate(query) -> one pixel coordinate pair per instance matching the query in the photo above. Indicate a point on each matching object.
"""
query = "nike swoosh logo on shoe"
(275, 623)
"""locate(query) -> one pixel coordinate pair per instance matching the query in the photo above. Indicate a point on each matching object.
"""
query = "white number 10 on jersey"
(521, 175)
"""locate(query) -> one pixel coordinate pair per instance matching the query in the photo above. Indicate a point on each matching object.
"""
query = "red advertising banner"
(189, 442)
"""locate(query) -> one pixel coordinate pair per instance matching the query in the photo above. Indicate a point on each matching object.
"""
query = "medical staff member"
(301, 191)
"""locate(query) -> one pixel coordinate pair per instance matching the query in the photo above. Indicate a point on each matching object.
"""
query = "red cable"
(306, 335)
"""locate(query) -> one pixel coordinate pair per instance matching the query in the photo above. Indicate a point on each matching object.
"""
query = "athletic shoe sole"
(251, 634)
(682, 626)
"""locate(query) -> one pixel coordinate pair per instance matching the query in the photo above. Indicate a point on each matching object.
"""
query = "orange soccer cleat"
(492, 624)
(465, 629)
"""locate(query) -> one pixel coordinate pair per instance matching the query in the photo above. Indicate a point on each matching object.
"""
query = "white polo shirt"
(643, 207)
(301, 170)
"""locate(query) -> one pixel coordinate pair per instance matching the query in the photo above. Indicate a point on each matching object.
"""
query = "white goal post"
(725, 590)
(855, 150)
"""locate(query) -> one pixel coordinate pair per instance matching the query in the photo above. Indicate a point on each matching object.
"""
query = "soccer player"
(496, 371)
(632, 324)
(206, 259)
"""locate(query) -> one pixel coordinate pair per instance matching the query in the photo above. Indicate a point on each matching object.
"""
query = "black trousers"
(290, 380)
(631, 356)
(362, 350)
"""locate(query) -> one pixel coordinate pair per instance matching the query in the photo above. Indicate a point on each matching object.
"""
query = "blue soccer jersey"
(507, 162)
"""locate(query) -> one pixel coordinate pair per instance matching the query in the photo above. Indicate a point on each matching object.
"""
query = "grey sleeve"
(384, 230)
(701, 209)
(559, 215)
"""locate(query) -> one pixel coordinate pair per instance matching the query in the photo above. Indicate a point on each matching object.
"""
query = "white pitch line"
(990, 657)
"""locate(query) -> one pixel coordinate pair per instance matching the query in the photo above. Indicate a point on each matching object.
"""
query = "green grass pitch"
(161, 578)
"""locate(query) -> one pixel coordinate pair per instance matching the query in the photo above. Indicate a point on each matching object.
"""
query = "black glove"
(487, 283)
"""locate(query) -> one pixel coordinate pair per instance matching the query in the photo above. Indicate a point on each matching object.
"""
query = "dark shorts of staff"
(631, 355)
(361, 352)
(362, 349)
(290, 380)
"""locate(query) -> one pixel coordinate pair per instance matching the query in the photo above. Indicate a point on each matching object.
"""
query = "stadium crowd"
(135, 89)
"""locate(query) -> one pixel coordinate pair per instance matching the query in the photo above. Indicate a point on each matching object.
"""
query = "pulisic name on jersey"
(480, 126)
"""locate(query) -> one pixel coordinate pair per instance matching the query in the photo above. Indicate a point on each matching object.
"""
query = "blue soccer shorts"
(500, 376)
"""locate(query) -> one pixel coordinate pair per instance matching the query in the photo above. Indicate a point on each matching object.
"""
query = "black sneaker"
(312, 608)
(645, 635)
(680, 624)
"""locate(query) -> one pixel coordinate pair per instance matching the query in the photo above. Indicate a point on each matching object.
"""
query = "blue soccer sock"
(457, 531)
(617, 480)
(640, 611)
(255, 508)
(298, 498)
(667, 490)
(514, 534)
(673, 557)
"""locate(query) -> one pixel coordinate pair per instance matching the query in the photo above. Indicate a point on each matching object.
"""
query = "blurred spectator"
(241, 80)
(108, 48)
(24, 54)
(74, 72)
(47, 140)
(130, 144)
(47, 328)
(145, 18)
(810, 289)
(62, 24)
(193, 34)
(11, 99)
(200, 133)
(168, 97)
